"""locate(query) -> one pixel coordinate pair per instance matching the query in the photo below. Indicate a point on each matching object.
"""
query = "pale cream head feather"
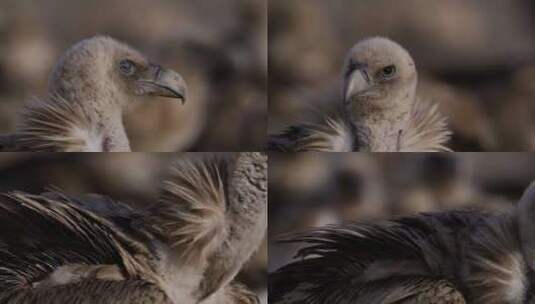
(379, 74)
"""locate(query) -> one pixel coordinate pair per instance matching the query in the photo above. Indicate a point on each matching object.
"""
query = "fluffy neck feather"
(212, 216)
(55, 124)
(190, 219)
(426, 131)
(333, 135)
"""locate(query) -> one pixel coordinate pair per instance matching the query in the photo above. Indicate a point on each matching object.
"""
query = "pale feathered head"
(378, 73)
(102, 67)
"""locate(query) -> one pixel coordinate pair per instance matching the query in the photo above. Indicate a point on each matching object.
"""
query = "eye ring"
(127, 67)
(388, 72)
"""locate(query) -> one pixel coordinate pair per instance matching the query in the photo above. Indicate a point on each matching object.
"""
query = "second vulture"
(379, 110)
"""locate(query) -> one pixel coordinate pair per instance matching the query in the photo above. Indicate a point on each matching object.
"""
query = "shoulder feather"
(496, 271)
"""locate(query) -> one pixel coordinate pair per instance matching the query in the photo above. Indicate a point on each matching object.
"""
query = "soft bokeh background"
(310, 189)
(219, 47)
(132, 178)
(475, 58)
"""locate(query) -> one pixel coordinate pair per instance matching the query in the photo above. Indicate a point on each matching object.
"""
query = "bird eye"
(388, 71)
(127, 67)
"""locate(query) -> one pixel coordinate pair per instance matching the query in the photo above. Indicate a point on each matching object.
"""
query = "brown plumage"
(444, 258)
(185, 248)
(378, 111)
(90, 87)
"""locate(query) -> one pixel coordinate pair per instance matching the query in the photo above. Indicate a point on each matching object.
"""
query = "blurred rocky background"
(219, 47)
(475, 58)
(310, 189)
(132, 178)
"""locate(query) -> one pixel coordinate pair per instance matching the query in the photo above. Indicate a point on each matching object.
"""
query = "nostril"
(157, 70)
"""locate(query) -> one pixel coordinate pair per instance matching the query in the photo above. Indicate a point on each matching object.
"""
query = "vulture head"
(379, 110)
(379, 75)
(89, 89)
(102, 68)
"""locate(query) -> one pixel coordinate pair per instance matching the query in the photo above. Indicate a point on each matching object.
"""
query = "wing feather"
(39, 234)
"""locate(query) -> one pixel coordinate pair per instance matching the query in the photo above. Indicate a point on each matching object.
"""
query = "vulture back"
(451, 257)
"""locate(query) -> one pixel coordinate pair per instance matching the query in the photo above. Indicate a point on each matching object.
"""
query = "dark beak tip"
(181, 95)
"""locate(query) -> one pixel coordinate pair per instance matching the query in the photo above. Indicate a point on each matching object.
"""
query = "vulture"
(89, 89)
(453, 257)
(378, 111)
(186, 247)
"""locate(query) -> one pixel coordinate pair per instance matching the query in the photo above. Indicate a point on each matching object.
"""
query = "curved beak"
(164, 83)
(358, 84)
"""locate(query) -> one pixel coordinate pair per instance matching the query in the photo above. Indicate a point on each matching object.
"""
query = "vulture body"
(379, 110)
(90, 88)
(443, 258)
(185, 248)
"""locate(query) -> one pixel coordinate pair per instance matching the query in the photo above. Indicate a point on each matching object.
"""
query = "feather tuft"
(57, 125)
(427, 130)
(191, 210)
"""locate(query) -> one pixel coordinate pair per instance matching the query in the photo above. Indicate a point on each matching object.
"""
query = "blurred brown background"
(132, 178)
(475, 58)
(219, 47)
(310, 189)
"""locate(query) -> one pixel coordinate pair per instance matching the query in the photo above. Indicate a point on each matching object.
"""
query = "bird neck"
(232, 293)
(179, 280)
(210, 217)
(106, 127)
(102, 112)
(379, 131)
(247, 221)
(113, 134)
